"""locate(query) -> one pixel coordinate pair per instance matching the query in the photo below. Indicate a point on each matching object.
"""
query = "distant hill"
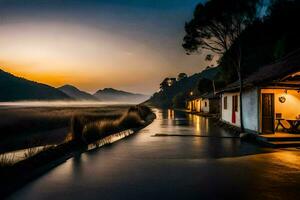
(77, 94)
(14, 88)
(180, 90)
(113, 95)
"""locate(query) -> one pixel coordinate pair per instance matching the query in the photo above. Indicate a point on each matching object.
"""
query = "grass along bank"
(23, 127)
(85, 130)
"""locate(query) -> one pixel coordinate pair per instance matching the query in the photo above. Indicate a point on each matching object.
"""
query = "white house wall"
(204, 108)
(251, 110)
(227, 113)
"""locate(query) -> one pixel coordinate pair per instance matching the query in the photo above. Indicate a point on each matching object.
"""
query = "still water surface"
(147, 167)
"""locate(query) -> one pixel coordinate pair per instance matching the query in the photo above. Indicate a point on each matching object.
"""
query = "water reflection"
(200, 123)
(147, 167)
(13, 157)
(216, 141)
(77, 164)
(170, 114)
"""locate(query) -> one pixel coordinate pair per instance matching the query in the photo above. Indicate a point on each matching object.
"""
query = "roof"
(210, 95)
(271, 74)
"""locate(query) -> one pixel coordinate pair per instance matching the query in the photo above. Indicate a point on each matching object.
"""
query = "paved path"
(146, 167)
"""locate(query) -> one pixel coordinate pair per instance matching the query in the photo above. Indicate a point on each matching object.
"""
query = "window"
(205, 104)
(225, 103)
(235, 103)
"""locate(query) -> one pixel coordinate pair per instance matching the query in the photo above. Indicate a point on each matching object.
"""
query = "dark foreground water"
(145, 167)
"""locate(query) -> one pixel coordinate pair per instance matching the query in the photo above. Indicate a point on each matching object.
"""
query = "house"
(194, 104)
(210, 103)
(271, 98)
(206, 103)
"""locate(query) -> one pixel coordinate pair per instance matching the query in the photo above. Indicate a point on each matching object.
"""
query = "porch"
(280, 112)
(279, 139)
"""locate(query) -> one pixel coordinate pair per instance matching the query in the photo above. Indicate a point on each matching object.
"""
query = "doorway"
(268, 113)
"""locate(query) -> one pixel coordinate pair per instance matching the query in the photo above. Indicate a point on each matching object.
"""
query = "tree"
(181, 76)
(179, 100)
(167, 82)
(205, 86)
(216, 26)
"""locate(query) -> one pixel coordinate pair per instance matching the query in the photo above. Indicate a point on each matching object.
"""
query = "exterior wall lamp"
(282, 99)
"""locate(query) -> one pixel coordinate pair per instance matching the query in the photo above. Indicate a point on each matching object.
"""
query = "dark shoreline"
(18, 175)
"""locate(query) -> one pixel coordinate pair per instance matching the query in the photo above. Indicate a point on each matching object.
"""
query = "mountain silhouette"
(77, 94)
(113, 95)
(14, 88)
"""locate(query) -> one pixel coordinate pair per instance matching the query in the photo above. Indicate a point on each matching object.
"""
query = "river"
(144, 166)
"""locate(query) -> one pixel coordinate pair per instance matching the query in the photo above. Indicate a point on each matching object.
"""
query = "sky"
(130, 45)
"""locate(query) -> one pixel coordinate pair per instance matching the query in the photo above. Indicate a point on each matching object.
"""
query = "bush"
(179, 100)
(131, 120)
(98, 130)
(77, 126)
(85, 130)
(142, 111)
(91, 132)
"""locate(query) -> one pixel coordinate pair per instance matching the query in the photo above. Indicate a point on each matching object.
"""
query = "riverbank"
(17, 175)
(26, 126)
(146, 167)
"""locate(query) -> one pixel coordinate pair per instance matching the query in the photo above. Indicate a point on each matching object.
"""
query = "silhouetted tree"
(181, 76)
(217, 25)
(205, 86)
(179, 100)
(164, 84)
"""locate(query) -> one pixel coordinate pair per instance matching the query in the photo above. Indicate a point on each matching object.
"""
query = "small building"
(194, 104)
(207, 103)
(271, 98)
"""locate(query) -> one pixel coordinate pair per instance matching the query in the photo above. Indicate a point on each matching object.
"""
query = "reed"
(88, 131)
(7, 160)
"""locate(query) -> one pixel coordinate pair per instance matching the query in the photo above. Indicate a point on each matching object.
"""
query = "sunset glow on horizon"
(128, 45)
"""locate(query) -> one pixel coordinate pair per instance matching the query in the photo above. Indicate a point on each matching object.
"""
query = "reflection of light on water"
(110, 139)
(170, 117)
(195, 119)
(60, 103)
(170, 114)
(206, 125)
(16, 156)
(158, 113)
(197, 124)
(73, 167)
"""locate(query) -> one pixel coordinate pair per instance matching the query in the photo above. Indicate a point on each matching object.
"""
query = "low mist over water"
(62, 104)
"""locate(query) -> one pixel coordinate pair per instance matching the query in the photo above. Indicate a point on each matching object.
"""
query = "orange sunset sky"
(127, 45)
